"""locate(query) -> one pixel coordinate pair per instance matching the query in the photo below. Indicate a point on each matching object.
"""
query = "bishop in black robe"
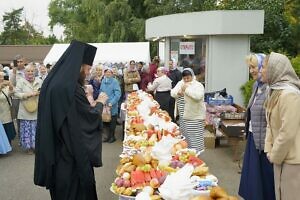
(68, 139)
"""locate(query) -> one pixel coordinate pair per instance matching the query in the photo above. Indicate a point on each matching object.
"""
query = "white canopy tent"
(108, 52)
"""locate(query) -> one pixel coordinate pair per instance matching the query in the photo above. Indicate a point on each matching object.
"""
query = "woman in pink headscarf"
(27, 90)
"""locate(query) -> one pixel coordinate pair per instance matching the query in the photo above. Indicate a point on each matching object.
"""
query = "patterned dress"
(192, 130)
(27, 130)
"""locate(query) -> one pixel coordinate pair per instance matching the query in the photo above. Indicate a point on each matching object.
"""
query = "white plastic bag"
(178, 185)
(162, 149)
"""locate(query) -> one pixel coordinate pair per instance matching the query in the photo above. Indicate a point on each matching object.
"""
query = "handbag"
(30, 104)
(10, 105)
(106, 114)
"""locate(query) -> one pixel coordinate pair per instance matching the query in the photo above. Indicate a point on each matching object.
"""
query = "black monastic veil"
(68, 138)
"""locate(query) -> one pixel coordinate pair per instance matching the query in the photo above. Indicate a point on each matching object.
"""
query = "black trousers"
(172, 109)
(163, 98)
(112, 126)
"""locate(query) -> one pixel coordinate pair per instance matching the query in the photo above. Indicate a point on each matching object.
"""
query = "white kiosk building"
(215, 43)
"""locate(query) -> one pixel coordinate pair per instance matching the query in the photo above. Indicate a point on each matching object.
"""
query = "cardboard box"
(233, 128)
(209, 140)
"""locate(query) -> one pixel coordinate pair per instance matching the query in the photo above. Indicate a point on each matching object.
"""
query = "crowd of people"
(272, 154)
(21, 82)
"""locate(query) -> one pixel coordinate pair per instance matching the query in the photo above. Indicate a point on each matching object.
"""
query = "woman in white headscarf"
(161, 86)
(95, 81)
(282, 143)
(27, 90)
(189, 95)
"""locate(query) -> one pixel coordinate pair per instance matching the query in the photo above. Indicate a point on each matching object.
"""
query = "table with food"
(156, 162)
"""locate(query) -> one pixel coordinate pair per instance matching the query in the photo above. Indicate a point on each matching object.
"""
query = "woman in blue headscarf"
(257, 179)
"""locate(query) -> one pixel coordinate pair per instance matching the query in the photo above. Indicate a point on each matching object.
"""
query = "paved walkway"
(16, 172)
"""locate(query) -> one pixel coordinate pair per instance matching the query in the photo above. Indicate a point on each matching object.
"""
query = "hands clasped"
(102, 98)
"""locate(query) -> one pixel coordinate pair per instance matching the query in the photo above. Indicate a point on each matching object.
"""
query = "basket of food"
(232, 115)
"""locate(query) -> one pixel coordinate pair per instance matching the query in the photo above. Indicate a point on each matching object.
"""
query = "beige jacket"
(130, 78)
(282, 141)
(194, 107)
(23, 89)
(5, 116)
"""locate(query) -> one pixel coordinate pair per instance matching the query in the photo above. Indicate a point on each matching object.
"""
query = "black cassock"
(68, 140)
(79, 150)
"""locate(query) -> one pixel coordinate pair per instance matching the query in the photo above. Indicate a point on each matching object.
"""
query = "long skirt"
(27, 133)
(10, 131)
(4, 143)
(192, 130)
(163, 99)
(287, 181)
(257, 178)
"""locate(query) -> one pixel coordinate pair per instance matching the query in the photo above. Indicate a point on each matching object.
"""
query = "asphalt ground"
(16, 171)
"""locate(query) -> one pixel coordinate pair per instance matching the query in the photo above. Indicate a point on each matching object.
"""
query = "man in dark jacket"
(68, 138)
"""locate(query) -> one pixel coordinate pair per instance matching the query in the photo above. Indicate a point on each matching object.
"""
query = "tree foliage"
(19, 31)
(124, 21)
(98, 20)
(277, 30)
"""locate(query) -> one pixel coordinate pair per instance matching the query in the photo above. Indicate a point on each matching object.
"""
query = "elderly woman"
(5, 105)
(95, 81)
(189, 95)
(120, 79)
(146, 78)
(42, 72)
(131, 77)
(282, 143)
(110, 86)
(27, 90)
(257, 180)
(161, 86)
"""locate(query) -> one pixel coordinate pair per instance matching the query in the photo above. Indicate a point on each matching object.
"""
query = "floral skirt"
(27, 133)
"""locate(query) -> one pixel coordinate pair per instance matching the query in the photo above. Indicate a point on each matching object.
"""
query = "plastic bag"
(178, 185)
(106, 114)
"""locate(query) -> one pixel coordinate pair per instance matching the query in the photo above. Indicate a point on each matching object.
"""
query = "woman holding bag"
(110, 86)
(5, 107)
(27, 90)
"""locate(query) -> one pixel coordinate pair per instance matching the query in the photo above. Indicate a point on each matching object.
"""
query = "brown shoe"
(29, 152)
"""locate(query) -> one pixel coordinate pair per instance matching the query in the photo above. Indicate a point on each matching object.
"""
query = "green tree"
(13, 32)
(16, 33)
(97, 20)
(164, 7)
(123, 20)
(292, 13)
(277, 32)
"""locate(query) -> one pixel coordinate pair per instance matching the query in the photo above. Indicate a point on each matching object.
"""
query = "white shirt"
(161, 84)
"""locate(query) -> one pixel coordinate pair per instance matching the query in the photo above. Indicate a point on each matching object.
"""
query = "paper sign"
(187, 48)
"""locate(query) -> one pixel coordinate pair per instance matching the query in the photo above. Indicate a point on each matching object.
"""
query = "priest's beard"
(82, 77)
